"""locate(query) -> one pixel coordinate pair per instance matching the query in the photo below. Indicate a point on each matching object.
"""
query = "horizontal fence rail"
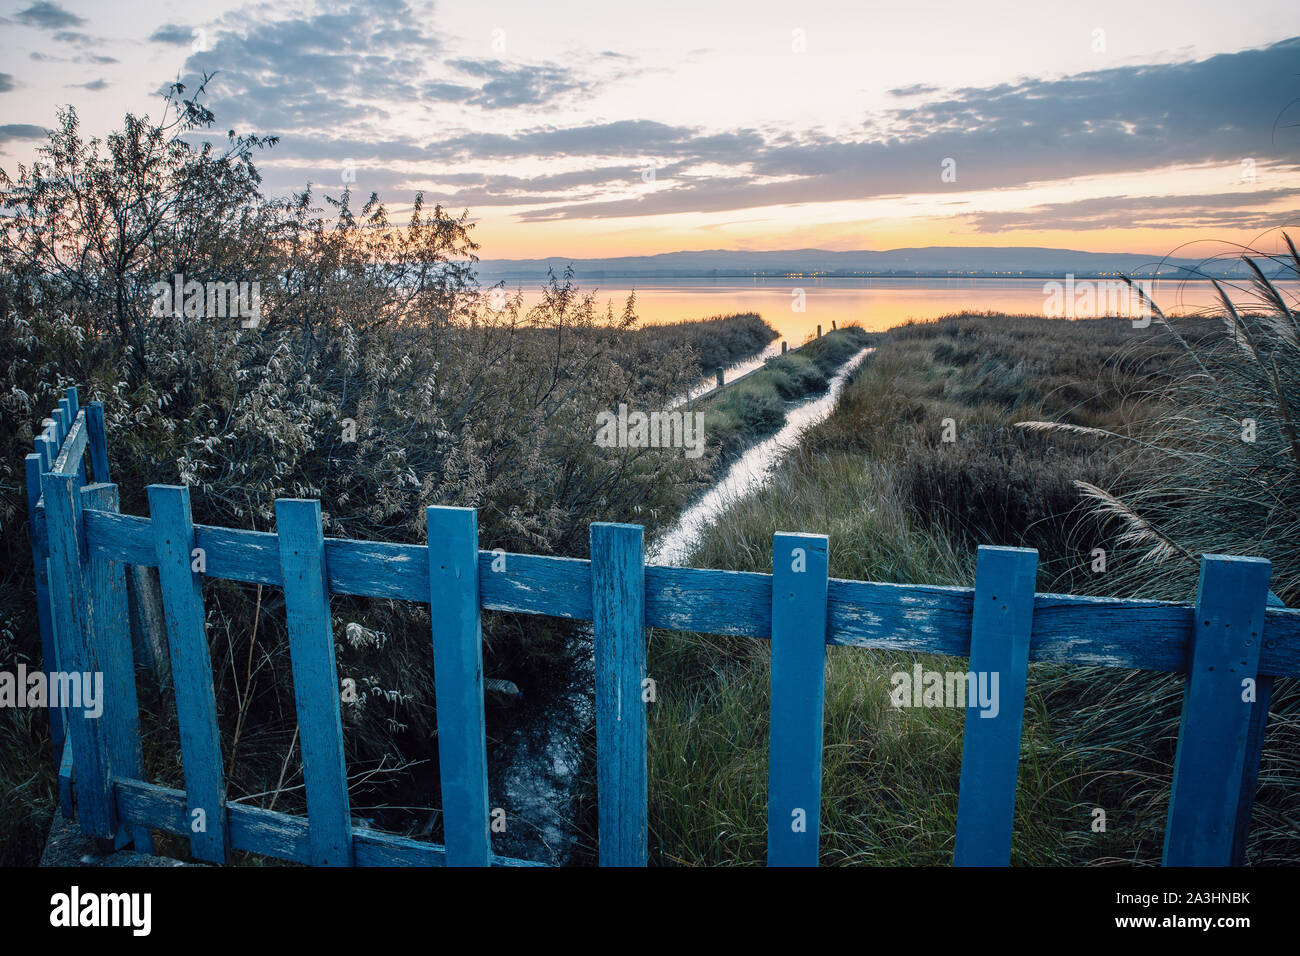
(82, 547)
(935, 619)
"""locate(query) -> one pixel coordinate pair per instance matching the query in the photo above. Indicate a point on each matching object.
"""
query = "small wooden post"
(187, 638)
(798, 683)
(833, 326)
(819, 331)
(785, 346)
(458, 683)
(618, 623)
(1217, 711)
(315, 679)
(47, 446)
(720, 379)
(1000, 630)
(97, 442)
(73, 408)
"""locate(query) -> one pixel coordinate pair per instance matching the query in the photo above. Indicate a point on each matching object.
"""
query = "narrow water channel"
(748, 473)
(534, 770)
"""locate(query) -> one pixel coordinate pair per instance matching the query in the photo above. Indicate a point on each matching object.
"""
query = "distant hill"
(983, 261)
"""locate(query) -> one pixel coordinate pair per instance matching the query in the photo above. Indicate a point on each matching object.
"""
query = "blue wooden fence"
(1229, 641)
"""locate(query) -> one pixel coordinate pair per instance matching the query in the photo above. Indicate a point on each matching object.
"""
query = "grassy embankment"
(718, 340)
(754, 407)
(901, 505)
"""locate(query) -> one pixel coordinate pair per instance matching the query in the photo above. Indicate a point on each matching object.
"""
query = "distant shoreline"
(984, 276)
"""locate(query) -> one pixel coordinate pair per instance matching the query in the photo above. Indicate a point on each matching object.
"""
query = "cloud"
(83, 58)
(333, 67)
(1126, 119)
(325, 79)
(48, 16)
(93, 85)
(173, 33)
(13, 131)
(512, 86)
(7, 83)
(916, 89)
(80, 39)
(1242, 208)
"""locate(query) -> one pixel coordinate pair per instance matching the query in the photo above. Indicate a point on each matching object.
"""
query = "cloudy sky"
(620, 128)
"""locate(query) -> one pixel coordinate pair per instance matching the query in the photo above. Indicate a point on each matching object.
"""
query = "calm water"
(875, 303)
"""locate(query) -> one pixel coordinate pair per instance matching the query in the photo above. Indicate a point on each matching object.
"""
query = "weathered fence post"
(149, 623)
(70, 603)
(798, 686)
(721, 380)
(1001, 625)
(34, 465)
(72, 408)
(455, 610)
(111, 638)
(196, 705)
(1219, 701)
(316, 690)
(97, 442)
(618, 624)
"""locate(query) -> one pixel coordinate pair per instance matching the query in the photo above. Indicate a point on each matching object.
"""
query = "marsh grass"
(754, 407)
(899, 504)
(1206, 481)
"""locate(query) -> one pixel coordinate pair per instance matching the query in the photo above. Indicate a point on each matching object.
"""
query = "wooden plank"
(70, 602)
(458, 683)
(1254, 753)
(74, 411)
(111, 639)
(711, 602)
(61, 423)
(279, 835)
(97, 441)
(40, 567)
(618, 605)
(1106, 632)
(149, 625)
(1003, 619)
(196, 706)
(72, 449)
(47, 446)
(1211, 756)
(798, 686)
(315, 679)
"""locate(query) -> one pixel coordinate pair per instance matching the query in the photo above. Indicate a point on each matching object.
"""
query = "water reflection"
(876, 304)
